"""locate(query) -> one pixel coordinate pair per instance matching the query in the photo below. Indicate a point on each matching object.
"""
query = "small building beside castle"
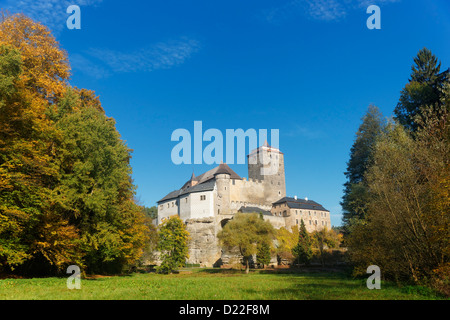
(208, 201)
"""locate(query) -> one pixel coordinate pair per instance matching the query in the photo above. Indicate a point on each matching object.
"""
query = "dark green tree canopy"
(372, 126)
(303, 250)
(423, 89)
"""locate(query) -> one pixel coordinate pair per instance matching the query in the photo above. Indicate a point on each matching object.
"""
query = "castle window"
(316, 222)
(203, 197)
(186, 200)
(234, 182)
(168, 205)
(279, 193)
(172, 204)
(296, 220)
(309, 222)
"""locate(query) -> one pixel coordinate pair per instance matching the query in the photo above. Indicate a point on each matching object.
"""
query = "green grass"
(209, 284)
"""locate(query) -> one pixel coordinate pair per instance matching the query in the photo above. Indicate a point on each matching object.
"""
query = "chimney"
(295, 197)
(306, 199)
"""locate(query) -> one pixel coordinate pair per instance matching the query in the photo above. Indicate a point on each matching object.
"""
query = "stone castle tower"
(266, 164)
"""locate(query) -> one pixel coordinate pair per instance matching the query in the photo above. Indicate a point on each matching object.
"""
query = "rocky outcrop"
(204, 246)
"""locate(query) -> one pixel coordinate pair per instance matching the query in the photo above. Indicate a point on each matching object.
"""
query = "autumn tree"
(173, 244)
(285, 241)
(245, 231)
(325, 238)
(66, 194)
(407, 222)
(34, 74)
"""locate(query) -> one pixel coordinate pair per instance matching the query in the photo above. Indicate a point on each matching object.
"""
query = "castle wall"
(276, 221)
(195, 207)
(249, 192)
(313, 219)
(167, 209)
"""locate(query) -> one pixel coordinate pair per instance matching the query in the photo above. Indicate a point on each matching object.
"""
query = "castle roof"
(205, 182)
(223, 168)
(300, 204)
(265, 147)
(207, 186)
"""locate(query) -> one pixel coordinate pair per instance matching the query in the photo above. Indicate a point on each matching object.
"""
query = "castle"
(208, 201)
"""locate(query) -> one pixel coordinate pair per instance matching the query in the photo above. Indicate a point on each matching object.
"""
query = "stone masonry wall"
(204, 246)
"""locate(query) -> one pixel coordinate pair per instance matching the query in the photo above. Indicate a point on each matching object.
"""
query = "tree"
(325, 238)
(151, 213)
(406, 229)
(355, 192)
(263, 255)
(286, 241)
(33, 73)
(66, 193)
(46, 68)
(423, 89)
(173, 244)
(303, 251)
(245, 231)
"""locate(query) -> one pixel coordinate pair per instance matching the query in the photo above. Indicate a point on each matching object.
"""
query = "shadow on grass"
(311, 271)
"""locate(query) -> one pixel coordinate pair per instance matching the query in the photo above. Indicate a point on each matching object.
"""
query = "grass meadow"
(211, 284)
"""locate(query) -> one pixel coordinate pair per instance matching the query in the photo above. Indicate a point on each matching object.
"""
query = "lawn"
(211, 284)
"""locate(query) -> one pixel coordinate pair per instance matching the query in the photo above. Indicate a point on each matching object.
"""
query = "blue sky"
(308, 68)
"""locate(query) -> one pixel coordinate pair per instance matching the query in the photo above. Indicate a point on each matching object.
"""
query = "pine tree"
(303, 250)
(423, 89)
(355, 192)
(263, 254)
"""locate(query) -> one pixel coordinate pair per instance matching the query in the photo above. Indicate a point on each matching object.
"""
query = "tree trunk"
(247, 268)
